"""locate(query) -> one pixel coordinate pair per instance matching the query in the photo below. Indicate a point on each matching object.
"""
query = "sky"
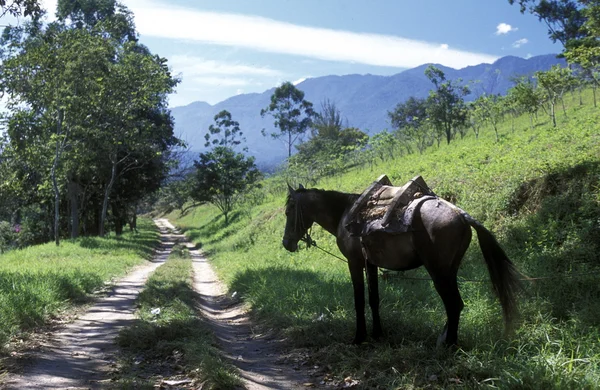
(223, 48)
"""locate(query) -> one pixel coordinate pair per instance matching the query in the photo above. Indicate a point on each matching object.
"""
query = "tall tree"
(409, 119)
(21, 7)
(87, 116)
(445, 105)
(56, 74)
(585, 52)
(555, 83)
(225, 132)
(222, 175)
(293, 115)
(489, 108)
(564, 18)
(526, 97)
(327, 123)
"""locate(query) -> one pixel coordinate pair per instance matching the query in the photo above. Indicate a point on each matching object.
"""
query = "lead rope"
(310, 243)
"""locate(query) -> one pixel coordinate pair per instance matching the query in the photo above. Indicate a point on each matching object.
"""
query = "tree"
(564, 18)
(331, 143)
(140, 124)
(327, 123)
(445, 105)
(225, 132)
(410, 120)
(489, 108)
(526, 97)
(56, 74)
(585, 51)
(555, 82)
(293, 115)
(21, 7)
(87, 118)
(222, 175)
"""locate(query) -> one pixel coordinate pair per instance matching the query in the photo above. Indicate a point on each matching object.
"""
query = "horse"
(438, 238)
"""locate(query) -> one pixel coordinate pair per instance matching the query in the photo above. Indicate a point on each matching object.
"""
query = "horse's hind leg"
(447, 287)
(373, 283)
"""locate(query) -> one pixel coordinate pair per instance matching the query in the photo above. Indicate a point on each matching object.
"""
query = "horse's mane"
(336, 196)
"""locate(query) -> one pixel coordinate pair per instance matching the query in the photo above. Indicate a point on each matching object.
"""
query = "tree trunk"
(531, 121)
(109, 186)
(73, 189)
(553, 113)
(133, 220)
(54, 181)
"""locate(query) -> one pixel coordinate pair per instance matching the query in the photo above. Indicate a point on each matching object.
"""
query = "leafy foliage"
(293, 115)
(223, 175)
(88, 118)
(445, 104)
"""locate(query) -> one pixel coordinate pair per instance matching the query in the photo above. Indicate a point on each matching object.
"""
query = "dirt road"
(80, 355)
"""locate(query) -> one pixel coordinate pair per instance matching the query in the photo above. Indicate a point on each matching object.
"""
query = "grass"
(537, 190)
(39, 283)
(176, 341)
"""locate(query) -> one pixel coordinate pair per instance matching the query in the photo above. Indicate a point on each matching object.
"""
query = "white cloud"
(193, 65)
(220, 81)
(299, 81)
(504, 28)
(262, 34)
(519, 43)
(444, 46)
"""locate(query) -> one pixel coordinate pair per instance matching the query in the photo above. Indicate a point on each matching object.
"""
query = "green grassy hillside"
(38, 283)
(537, 190)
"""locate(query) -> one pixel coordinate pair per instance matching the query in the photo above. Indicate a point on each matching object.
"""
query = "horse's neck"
(328, 208)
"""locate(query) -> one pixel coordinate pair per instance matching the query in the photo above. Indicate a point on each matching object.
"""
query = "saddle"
(385, 208)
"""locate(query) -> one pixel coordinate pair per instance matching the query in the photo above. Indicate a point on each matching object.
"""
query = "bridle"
(300, 221)
(306, 236)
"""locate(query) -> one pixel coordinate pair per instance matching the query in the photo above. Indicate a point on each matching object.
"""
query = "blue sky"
(227, 47)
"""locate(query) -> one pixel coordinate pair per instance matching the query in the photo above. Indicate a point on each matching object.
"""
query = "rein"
(310, 242)
(307, 238)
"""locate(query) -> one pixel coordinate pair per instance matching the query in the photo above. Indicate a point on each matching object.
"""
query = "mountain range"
(364, 100)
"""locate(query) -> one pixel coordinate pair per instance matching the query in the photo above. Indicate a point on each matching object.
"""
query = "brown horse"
(438, 238)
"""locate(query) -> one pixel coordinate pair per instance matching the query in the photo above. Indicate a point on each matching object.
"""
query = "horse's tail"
(503, 273)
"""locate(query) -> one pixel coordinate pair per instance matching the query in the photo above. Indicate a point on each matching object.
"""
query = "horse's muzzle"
(291, 246)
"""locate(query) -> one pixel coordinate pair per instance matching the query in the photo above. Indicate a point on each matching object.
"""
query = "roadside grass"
(38, 283)
(175, 342)
(537, 189)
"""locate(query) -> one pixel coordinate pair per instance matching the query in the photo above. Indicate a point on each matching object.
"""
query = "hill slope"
(537, 189)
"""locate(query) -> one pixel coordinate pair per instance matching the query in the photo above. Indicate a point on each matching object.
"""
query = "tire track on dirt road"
(80, 355)
(260, 359)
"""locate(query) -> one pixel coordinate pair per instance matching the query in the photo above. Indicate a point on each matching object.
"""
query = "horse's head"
(298, 220)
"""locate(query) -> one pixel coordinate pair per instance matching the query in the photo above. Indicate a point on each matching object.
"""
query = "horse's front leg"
(358, 283)
(373, 283)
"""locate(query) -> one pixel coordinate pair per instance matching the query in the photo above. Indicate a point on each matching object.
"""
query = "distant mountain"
(363, 99)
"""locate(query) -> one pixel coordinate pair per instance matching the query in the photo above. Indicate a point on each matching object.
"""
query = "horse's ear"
(300, 187)
(290, 189)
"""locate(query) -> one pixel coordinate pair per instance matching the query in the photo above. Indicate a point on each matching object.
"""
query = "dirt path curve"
(260, 359)
(79, 356)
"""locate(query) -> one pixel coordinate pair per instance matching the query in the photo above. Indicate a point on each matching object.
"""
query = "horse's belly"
(394, 252)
